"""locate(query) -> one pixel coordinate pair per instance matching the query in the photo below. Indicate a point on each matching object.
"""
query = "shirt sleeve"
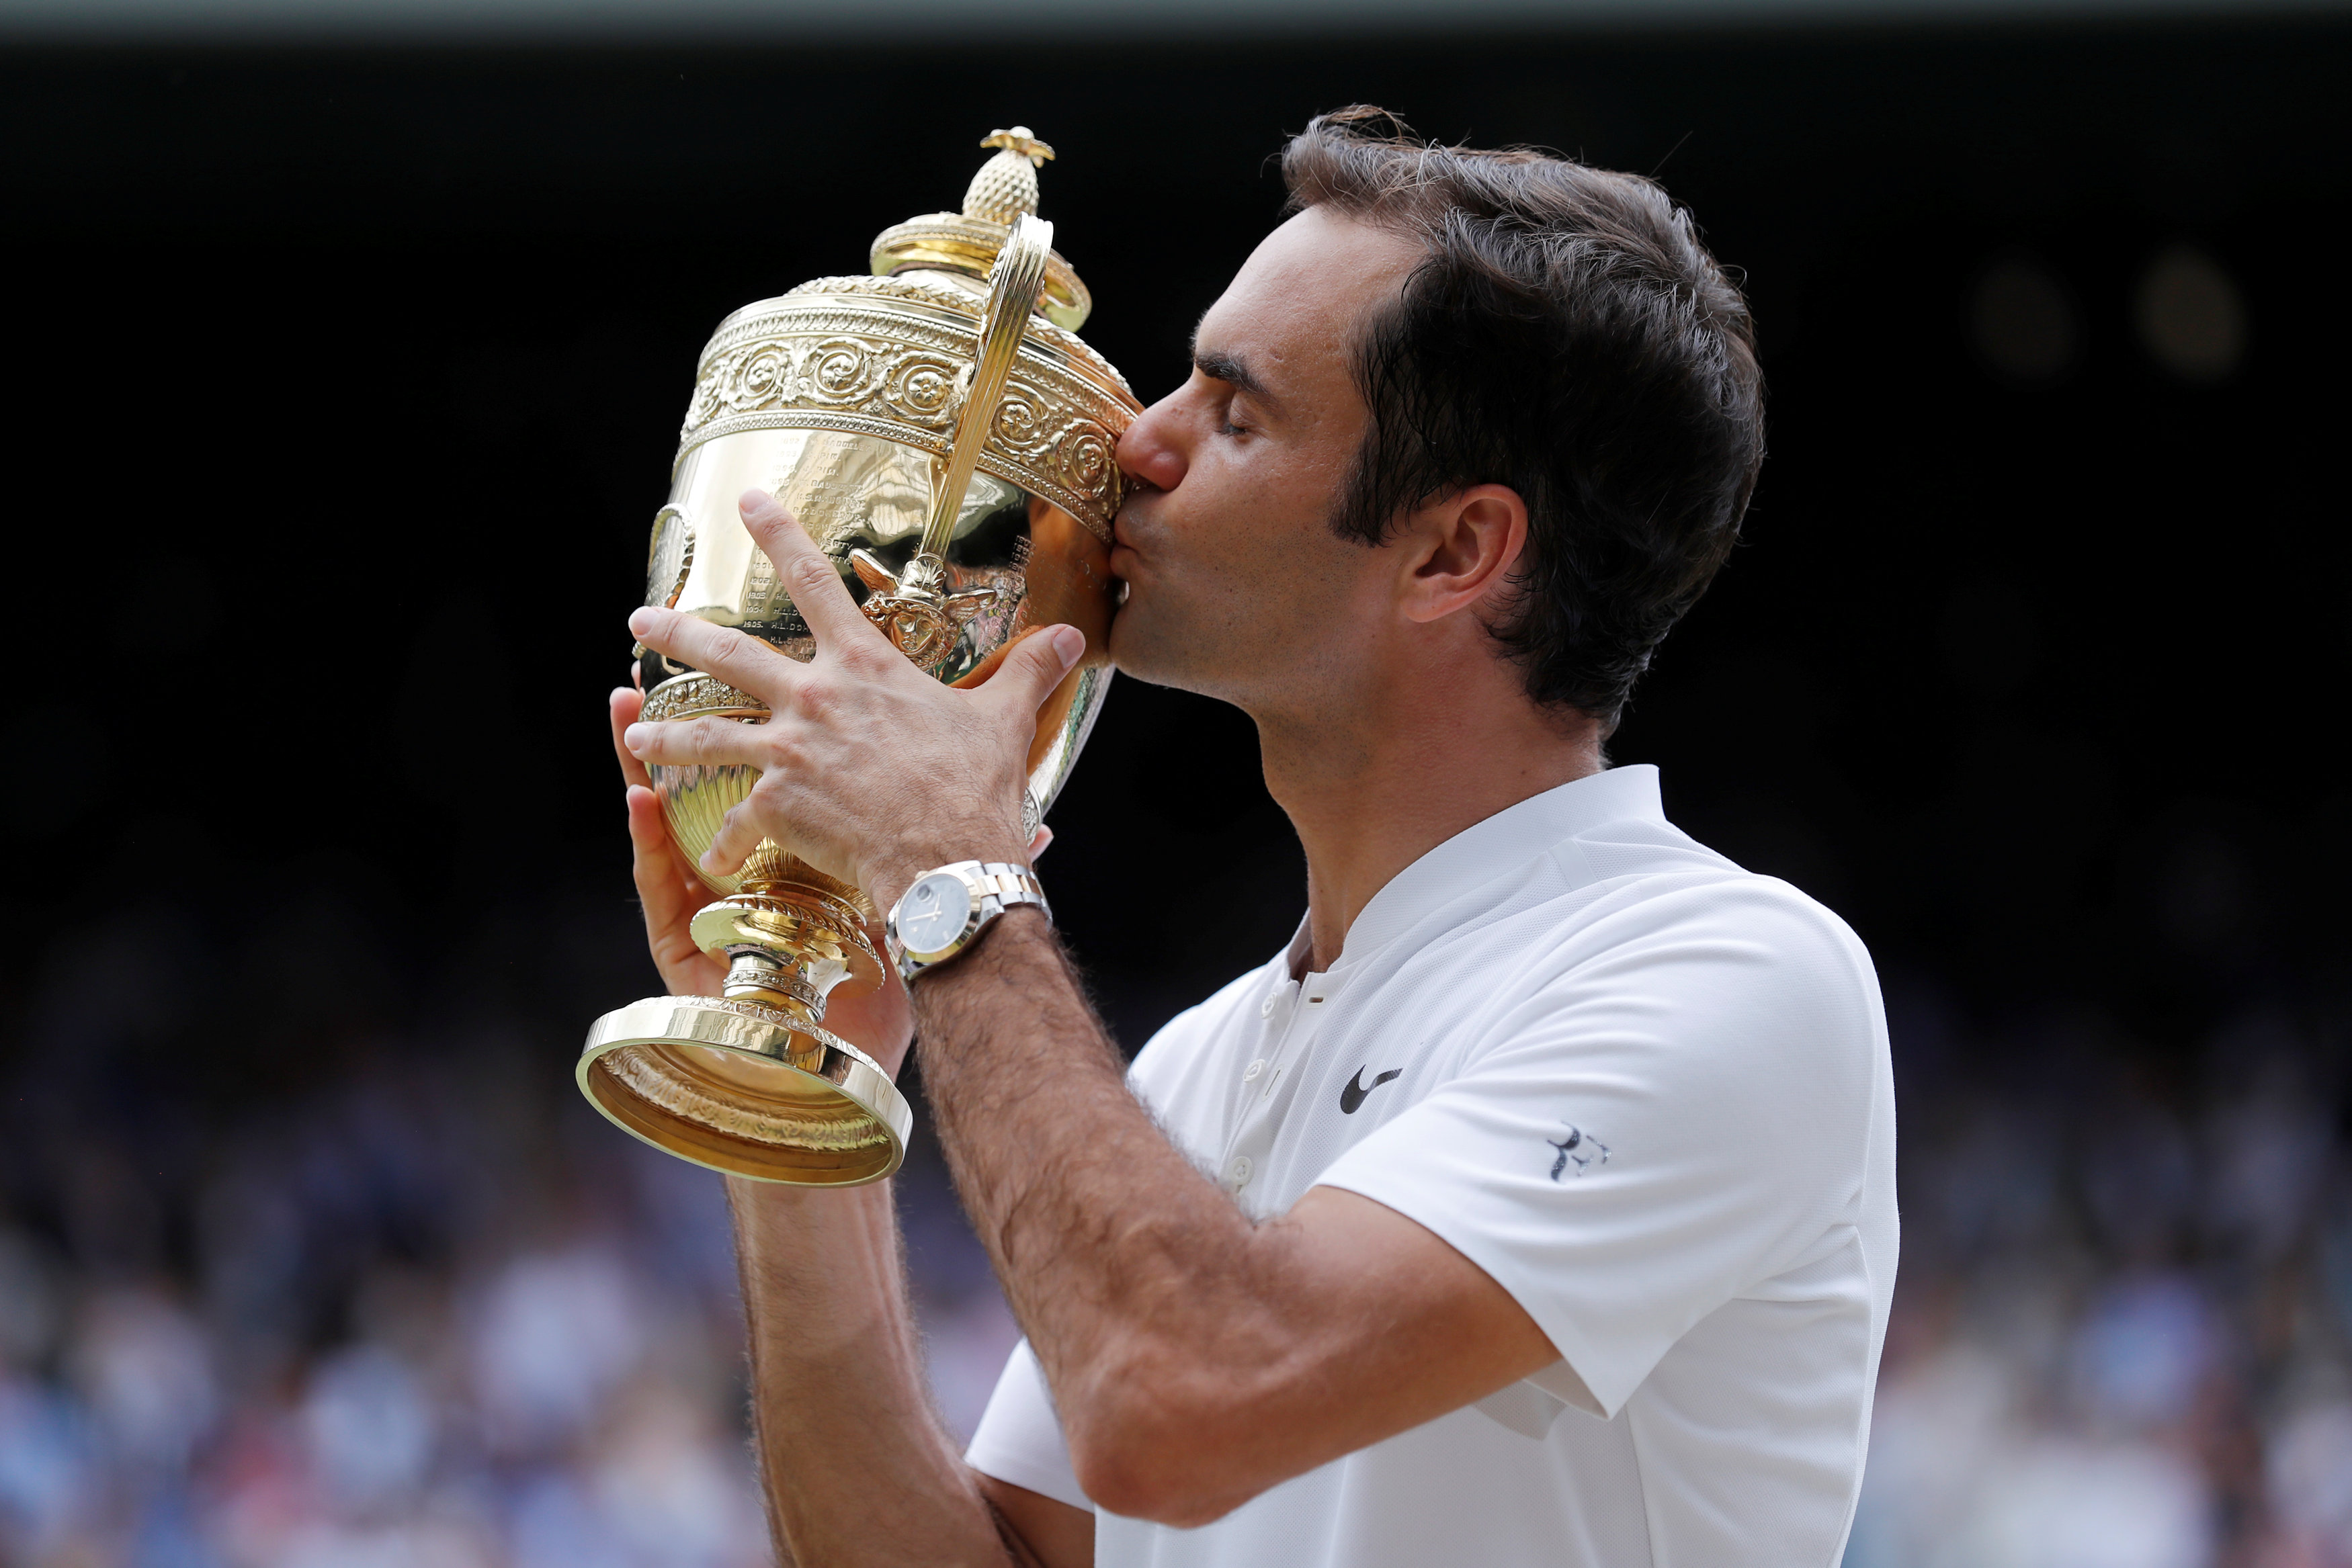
(1020, 1437)
(1681, 1114)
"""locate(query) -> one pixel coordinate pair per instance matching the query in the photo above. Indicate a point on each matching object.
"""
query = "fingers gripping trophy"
(946, 439)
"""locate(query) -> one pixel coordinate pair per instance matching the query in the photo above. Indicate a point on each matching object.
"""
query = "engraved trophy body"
(945, 437)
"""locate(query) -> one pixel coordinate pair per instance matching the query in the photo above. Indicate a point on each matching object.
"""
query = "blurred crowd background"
(345, 375)
(422, 1317)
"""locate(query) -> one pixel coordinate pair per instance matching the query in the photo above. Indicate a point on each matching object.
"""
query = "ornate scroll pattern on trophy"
(884, 356)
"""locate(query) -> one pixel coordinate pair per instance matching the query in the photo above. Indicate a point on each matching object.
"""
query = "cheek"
(1207, 535)
(1236, 489)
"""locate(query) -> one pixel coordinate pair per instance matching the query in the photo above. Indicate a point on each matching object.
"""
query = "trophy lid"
(896, 356)
(966, 244)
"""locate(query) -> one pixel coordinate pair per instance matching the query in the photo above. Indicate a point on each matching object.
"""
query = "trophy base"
(746, 1089)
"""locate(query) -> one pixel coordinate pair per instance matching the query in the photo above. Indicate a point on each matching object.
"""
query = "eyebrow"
(1232, 369)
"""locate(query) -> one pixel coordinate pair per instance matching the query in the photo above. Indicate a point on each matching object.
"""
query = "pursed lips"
(1124, 556)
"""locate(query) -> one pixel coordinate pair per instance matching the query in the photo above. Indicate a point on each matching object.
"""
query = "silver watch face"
(933, 913)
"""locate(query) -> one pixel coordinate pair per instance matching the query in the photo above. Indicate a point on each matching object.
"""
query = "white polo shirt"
(1644, 1090)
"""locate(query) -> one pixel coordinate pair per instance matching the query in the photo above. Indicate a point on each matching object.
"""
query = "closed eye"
(1224, 422)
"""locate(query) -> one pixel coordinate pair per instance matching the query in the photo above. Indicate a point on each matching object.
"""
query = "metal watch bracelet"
(943, 912)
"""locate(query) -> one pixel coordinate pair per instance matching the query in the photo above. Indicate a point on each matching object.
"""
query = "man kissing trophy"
(1535, 1202)
(941, 431)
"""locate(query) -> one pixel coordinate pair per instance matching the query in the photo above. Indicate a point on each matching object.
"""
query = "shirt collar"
(1503, 844)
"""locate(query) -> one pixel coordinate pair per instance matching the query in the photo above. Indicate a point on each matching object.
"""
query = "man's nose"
(1148, 450)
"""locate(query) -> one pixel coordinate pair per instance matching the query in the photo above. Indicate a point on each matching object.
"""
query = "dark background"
(345, 382)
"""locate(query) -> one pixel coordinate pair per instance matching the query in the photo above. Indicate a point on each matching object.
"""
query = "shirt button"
(1249, 1073)
(1265, 1007)
(1241, 1173)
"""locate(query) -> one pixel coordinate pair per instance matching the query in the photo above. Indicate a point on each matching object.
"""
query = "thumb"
(1036, 666)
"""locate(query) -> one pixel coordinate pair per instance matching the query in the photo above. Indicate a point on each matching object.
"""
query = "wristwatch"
(944, 911)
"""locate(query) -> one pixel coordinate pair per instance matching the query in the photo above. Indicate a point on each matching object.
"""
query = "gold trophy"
(944, 436)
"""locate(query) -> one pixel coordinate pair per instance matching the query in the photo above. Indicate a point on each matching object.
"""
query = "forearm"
(1137, 1278)
(854, 1465)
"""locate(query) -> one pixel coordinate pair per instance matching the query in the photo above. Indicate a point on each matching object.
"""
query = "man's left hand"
(870, 770)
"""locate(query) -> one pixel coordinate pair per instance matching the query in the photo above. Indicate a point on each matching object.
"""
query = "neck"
(1372, 792)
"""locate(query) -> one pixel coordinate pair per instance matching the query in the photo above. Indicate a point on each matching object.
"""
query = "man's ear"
(1462, 548)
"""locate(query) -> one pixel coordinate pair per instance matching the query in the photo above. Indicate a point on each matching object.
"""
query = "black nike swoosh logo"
(1352, 1093)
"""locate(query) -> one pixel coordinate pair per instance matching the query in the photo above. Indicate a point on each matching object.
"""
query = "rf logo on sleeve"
(1577, 1148)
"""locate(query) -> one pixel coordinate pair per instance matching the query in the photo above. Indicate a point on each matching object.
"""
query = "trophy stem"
(753, 1082)
(789, 942)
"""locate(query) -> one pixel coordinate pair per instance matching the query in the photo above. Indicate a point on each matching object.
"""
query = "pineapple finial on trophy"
(966, 244)
(1022, 142)
(1007, 186)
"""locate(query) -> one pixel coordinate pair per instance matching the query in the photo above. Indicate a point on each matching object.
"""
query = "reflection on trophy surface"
(944, 436)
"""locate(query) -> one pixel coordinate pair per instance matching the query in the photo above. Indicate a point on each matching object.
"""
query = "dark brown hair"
(1567, 336)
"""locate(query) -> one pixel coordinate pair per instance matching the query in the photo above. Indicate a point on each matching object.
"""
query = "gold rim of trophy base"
(747, 1090)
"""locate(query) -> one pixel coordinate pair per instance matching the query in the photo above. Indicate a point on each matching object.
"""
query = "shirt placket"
(1292, 1019)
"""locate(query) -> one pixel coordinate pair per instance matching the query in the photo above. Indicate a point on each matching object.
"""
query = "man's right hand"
(667, 886)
